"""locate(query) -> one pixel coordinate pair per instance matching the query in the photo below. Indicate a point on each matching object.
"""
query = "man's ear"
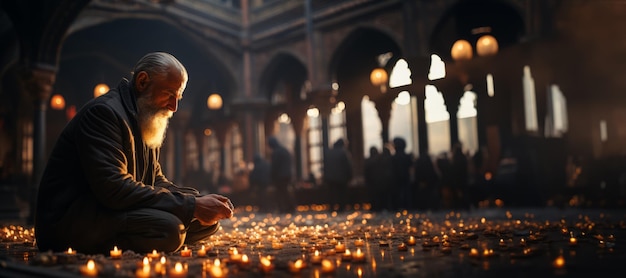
(142, 80)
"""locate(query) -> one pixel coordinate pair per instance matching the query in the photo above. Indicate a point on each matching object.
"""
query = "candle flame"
(91, 265)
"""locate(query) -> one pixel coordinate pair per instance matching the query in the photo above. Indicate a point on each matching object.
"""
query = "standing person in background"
(338, 173)
(402, 167)
(260, 180)
(281, 174)
(370, 175)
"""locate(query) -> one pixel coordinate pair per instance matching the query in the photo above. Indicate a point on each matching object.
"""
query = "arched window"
(314, 142)
(372, 126)
(466, 119)
(437, 121)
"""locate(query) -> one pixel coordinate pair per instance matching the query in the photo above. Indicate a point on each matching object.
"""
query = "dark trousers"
(140, 230)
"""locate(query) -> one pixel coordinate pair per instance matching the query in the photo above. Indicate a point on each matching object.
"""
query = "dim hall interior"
(533, 86)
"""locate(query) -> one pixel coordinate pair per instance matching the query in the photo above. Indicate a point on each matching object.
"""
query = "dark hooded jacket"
(100, 168)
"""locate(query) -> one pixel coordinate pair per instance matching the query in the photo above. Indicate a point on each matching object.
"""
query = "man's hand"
(212, 208)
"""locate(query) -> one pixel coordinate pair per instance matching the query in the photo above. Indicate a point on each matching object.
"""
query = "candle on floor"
(202, 251)
(144, 270)
(346, 256)
(296, 267)
(70, 251)
(411, 241)
(216, 270)
(235, 257)
(358, 256)
(116, 253)
(266, 265)
(178, 271)
(316, 258)
(153, 255)
(359, 242)
(340, 247)
(327, 266)
(89, 269)
(186, 252)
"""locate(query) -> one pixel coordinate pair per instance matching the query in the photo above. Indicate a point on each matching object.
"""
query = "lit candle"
(303, 243)
(327, 266)
(473, 252)
(359, 242)
(202, 251)
(295, 267)
(153, 255)
(116, 253)
(161, 266)
(277, 245)
(266, 265)
(411, 241)
(573, 241)
(70, 251)
(402, 247)
(216, 270)
(144, 270)
(245, 261)
(358, 256)
(235, 257)
(346, 256)
(178, 271)
(559, 262)
(89, 269)
(340, 248)
(186, 252)
(316, 258)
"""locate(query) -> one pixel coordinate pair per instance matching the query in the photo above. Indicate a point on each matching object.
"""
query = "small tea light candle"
(277, 245)
(402, 247)
(70, 251)
(116, 253)
(235, 256)
(473, 253)
(178, 271)
(411, 241)
(216, 270)
(144, 270)
(153, 255)
(327, 266)
(359, 242)
(89, 269)
(573, 241)
(340, 248)
(316, 258)
(186, 252)
(266, 265)
(296, 267)
(245, 261)
(358, 256)
(559, 262)
(202, 251)
(346, 256)
(303, 243)
(161, 266)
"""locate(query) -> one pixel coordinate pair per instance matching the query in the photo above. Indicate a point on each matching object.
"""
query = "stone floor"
(540, 242)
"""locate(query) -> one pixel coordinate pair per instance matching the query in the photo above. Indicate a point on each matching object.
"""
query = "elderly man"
(103, 185)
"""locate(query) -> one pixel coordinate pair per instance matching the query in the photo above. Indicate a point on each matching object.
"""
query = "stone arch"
(118, 44)
(461, 20)
(355, 58)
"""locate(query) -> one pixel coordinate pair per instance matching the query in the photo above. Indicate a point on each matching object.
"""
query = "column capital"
(38, 82)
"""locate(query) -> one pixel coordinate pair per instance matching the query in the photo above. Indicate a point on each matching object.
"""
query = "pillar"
(37, 82)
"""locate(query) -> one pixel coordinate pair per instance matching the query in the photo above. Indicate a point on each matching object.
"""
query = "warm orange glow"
(461, 50)
(487, 45)
(214, 102)
(379, 77)
(100, 89)
(57, 102)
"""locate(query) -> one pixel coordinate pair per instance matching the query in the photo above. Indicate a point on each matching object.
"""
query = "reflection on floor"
(541, 242)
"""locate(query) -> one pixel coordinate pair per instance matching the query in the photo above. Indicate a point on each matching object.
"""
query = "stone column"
(37, 83)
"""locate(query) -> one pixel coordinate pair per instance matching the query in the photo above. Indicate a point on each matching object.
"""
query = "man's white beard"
(152, 122)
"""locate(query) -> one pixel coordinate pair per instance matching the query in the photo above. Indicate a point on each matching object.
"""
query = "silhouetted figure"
(444, 167)
(370, 176)
(426, 183)
(338, 173)
(402, 165)
(281, 174)
(382, 180)
(259, 179)
(459, 177)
